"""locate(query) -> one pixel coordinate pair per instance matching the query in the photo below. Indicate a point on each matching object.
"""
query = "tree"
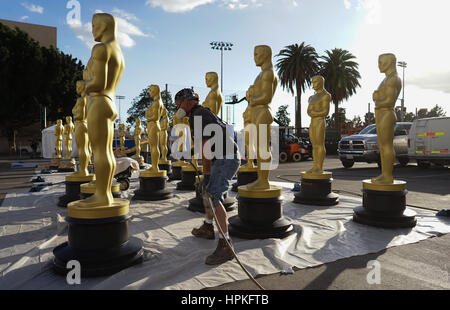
(437, 111)
(408, 117)
(167, 100)
(341, 76)
(296, 67)
(369, 118)
(283, 116)
(33, 77)
(331, 121)
(142, 102)
(139, 106)
(357, 122)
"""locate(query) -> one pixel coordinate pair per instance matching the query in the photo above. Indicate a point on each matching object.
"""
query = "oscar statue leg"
(101, 135)
(386, 125)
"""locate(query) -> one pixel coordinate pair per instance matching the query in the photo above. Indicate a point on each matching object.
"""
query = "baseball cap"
(186, 94)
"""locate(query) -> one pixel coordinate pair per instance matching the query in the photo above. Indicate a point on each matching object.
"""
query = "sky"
(168, 42)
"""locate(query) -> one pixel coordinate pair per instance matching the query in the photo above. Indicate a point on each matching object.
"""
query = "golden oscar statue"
(164, 163)
(137, 141)
(259, 201)
(153, 115)
(316, 184)
(68, 164)
(122, 137)
(214, 100)
(81, 136)
(384, 200)
(82, 176)
(248, 173)
(98, 233)
(153, 181)
(180, 126)
(59, 132)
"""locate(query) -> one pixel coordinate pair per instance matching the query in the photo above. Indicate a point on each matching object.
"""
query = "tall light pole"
(222, 46)
(120, 110)
(402, 113)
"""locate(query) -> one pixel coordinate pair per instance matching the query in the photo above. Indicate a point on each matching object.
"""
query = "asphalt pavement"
(427, 188)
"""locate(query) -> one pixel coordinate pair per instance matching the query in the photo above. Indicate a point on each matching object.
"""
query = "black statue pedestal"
(385, 206)
(153, 187)
(99, 240)
(316, 190)
(246, 175)
(260, 215)
(73, 189)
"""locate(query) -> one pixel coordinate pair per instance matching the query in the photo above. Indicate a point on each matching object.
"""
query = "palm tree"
(297, 65)
(341, 76)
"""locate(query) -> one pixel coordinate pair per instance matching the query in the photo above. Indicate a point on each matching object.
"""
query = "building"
(45, 35)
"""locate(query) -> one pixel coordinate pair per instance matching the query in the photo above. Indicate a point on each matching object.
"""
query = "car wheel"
(347, 163)
(283, 157)
(423, 164)
(403, 161)
(297, 157)
(124, 184)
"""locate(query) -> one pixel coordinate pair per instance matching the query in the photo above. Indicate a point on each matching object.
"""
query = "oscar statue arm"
(323, 107)
(266, 90)
(98, 70)
(390, 95)
(152, 113)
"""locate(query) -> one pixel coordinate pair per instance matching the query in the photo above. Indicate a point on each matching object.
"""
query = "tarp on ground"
(32, 225)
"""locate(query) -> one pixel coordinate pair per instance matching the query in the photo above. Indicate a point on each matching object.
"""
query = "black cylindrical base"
(317, 193)
(101, 246)
(152, 189)
(260, 218)
(72, 193)
(244, 178)
(115, 195)
(187, 181)
(166, 167)
(196, 204)
(176, 173)
(66, 169)
(385, 209)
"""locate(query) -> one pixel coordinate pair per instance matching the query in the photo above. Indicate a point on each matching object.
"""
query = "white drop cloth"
(31, 225)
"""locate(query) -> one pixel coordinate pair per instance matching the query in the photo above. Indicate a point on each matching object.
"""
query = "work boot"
(206, 231)
(222, 254)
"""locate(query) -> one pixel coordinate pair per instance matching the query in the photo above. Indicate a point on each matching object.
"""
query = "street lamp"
(120, 111)
(402, 112)
(222, 46)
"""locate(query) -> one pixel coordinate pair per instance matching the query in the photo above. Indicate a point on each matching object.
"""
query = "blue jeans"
(222, 172)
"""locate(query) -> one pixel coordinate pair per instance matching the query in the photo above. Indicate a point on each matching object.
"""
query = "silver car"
(363, 147)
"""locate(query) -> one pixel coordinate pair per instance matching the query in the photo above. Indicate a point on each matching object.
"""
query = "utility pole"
(402, 112)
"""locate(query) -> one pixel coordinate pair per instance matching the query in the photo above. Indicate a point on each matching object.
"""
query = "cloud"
(33, 8)
(125, 32)
(181, 6)
(347, 4)
(439, 81)
(24, 17)
(372, 7)
(123, 14)
(178, 6)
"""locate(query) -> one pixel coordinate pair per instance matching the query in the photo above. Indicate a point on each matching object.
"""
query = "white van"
(429, 141)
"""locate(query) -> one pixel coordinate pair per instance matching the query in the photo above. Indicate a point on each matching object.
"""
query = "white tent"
(48, 144)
